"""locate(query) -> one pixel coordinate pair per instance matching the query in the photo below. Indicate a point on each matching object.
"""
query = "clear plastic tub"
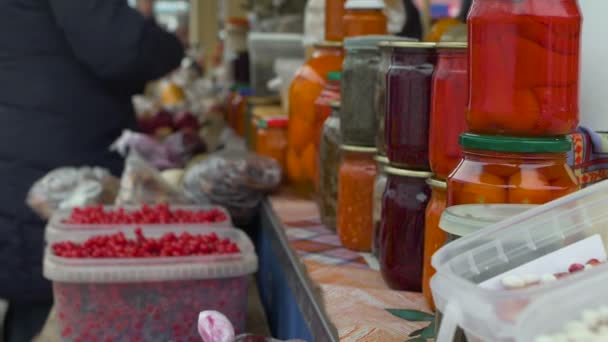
(57, 230)
(489, 314)
(149, 299)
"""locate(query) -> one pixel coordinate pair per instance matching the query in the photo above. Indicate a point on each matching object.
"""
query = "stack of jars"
(523, 102)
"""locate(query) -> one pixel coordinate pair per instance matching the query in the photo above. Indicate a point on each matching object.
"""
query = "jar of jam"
(334, 13)
(402, 228)
(379, 187)
(498, 169)
(408, 104)
(238, 110)
(271, 137)
(355, 194)
(359, 74)
(434, 237)
(304, 91)
(364, 17)
(259, 107)
(329, 94)
(329, 163)
(524, 57)
(448, 107)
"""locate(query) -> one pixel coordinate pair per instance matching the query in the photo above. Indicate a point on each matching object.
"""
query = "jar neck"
(479, 155)
(408, 56)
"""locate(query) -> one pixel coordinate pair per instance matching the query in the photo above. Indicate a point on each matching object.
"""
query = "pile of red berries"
(169, 244)
(158, 214)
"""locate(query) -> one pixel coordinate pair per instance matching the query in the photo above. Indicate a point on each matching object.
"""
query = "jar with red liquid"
(434, 237)
(334, 12)
(402, 228)
(501, 170)
(448, 108)
(364, 17)
(524, 57)
(408, 104)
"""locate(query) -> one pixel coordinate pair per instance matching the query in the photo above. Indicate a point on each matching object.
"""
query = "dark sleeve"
(114, 41)
(413, 23)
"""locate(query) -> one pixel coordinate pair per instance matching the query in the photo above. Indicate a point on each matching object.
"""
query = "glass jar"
(448, 107)
(408, 103)
(334, 13)
(497, 169)
(364, 17)
(305, 88)
(271, 138)
(359, 74)
(434, 237)
(355, 193)
(379, 187)
(402, 228)
(323, 109)
(238, 111)
(524, 57)
(329, 163)
(259, 108)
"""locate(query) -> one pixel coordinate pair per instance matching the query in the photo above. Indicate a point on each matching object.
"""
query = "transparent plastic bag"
(237, 180)
(143, 184)
(68, 187)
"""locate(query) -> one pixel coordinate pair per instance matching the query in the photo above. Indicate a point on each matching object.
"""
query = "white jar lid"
(364, 4)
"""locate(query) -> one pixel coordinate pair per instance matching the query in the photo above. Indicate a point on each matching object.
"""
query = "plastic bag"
(142, 184)
(237, 180)
(70, 187)
(213, 326)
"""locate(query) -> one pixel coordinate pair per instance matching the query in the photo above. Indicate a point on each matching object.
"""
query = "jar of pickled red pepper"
(408, 104)
(448, 108)
(304, 91)
(359, 74)
(524, 57)
(402, 228)
(364, 17)
(334, 13)
(498, 169)
(271, 138)
(356, 178)
(329, 163)
(434, 237)
(379, 187)
(329, 94)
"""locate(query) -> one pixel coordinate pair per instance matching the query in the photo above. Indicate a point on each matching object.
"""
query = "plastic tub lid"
(275, 37)
(462, 220)
(364, 4)
(370, 42)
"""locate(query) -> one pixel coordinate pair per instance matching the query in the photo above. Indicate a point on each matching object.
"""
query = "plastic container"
(434, 237)
(402, 228)
(330, 155)
(334, 12)
(364, 17)
(305, 89)
(149, 298)
(498, 169)
(57, 229)
(359, 74)
(408, 103)
(448, 108)
(524, 76)
(355, 197)
(379, 188)
(271, 138)
(264, 49)
(494, 315)
(285, 69)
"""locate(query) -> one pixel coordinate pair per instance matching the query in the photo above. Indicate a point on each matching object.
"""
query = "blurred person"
(68, 69)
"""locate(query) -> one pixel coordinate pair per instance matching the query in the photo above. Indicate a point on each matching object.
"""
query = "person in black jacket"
(68, 69)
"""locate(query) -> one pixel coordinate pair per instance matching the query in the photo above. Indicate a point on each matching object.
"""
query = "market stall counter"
(314, 289)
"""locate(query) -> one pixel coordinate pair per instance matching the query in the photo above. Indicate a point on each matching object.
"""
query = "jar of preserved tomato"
(271, 138)
(359, 74)
(329, 94)
(304, 91)
(402, 228)
(355, 193)
(334, 13)
(364, 17)
(434, 237)
(524, 57)
(448, 107)
(498, 169)
(379, 187)
(408, 104)
(329, 163)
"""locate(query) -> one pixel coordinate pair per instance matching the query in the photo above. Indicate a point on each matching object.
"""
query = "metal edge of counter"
(318, 322)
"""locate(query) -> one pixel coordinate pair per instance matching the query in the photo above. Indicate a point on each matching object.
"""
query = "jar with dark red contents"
(408, 84)
(402, 228)
(500, 170)
(525, 59)
(448, 107)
